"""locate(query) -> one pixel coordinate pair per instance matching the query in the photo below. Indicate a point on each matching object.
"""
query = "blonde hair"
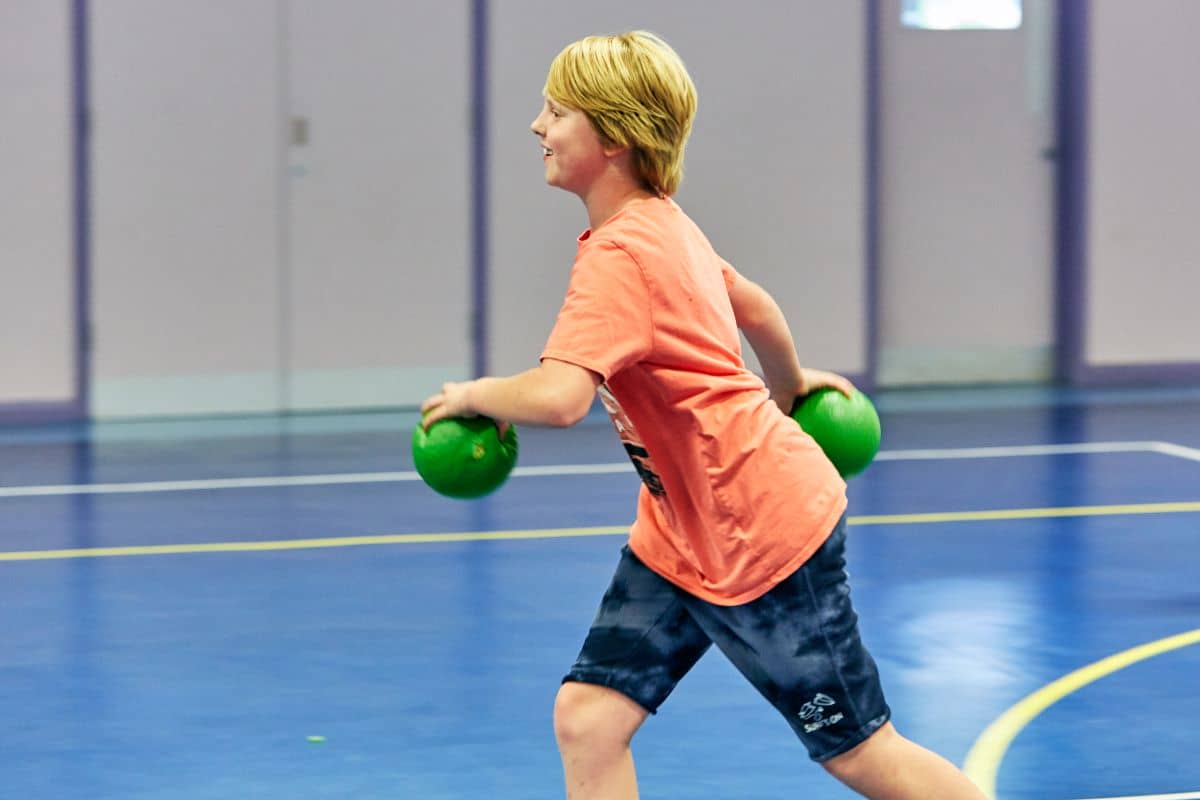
(637, 93)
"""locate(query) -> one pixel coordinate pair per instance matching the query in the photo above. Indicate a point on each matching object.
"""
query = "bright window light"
(956, 15)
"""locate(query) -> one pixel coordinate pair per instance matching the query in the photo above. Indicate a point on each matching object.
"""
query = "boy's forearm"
(555, 393)
(525, 398)
(762, 321)
(772, 341)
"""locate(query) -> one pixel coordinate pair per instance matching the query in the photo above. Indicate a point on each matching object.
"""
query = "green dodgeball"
(464, 457)
(846, 428)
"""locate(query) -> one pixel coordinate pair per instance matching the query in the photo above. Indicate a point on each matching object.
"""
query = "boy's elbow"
(568, 404)
(751, 323)
(568, 411)
(566, 393)
(753, 307)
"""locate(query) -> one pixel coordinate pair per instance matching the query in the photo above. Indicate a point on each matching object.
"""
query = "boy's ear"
(612, 150)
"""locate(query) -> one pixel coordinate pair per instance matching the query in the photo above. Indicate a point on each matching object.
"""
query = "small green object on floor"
(464, 458)
(316, 739)
(846, 428)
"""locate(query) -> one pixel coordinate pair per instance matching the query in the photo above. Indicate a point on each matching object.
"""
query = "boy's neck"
(607, 198)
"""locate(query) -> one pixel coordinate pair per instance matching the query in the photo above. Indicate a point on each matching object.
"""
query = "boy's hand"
(787, 395)
(810, 380)
(452, 401)
(813, 379)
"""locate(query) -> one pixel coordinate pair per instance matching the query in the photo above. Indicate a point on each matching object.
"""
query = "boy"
(740, 526)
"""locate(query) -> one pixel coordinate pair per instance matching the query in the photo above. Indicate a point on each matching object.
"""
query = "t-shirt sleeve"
(729, 274)
(605, 322)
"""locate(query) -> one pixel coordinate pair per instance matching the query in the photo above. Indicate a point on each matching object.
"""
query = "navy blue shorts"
(798, 645)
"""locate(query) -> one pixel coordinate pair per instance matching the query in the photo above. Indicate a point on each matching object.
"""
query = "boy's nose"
(538, 126)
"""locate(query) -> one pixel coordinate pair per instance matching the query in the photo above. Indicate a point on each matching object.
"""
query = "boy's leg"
(594, 726)
(799, 645)
(889, 767)
(641, 643)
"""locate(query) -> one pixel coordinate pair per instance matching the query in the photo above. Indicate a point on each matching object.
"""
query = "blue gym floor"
(276, 608)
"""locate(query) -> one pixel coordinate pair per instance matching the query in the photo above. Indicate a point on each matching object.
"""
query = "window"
(955, 15)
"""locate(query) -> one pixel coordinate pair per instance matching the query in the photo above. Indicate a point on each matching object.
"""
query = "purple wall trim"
(1071, 206)
(81, 98)
(38, 413)
(34, 413)
(1173, 373)
(1070, 201)
(480, 233)
(871, 122)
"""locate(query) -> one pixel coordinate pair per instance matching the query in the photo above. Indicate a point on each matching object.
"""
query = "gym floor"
(279, 608)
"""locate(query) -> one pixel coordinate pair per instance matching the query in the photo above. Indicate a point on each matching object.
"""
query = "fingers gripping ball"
(846, 428)
(464, 458)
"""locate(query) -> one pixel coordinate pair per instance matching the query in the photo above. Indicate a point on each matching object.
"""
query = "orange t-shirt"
(735, 496)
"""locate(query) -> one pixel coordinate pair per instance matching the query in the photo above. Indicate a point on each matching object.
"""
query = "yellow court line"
(1027, 513)
(983, 760)
(565, 533)
(309, 544)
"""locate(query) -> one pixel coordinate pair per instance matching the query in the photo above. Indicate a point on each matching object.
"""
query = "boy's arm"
(761, 319)
(555, 393)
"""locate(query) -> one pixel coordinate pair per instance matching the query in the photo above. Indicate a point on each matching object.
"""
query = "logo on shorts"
(813, 713)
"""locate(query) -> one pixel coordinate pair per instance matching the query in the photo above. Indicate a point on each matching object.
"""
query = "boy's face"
(572, 150)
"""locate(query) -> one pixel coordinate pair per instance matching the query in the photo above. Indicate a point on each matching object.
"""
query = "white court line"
(201, 485)
(1017, 451)
(1163, 448)
(1183, 796)
(1177, 450)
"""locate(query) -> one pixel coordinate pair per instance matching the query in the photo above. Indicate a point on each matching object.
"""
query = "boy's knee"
(864, 759)
(577, 715)
(568, 715)
(591, 714)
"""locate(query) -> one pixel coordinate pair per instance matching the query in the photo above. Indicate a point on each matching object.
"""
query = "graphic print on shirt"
(638, 453)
